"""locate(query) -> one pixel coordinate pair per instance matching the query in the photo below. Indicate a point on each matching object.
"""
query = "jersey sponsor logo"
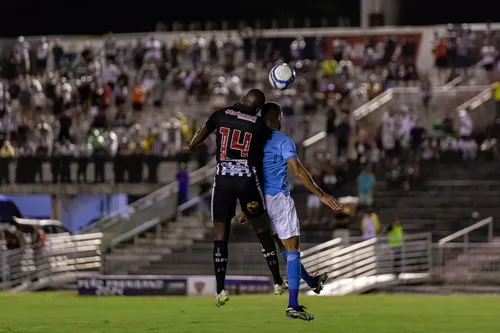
(253, 206)
(242, 116)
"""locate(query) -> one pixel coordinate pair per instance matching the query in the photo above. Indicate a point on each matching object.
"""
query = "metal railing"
(449, 250)
(57, 262)
(394, 98)
(463, 77)
(156, 223)
(465, 233)
(480, 265)
(160, 204)
(370, 263)
(483, 109)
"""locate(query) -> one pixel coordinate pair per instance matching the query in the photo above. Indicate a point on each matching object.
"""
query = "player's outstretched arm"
(199, 137)
(305, 179)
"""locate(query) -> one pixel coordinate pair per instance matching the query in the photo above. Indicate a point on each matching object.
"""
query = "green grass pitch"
(68, 313)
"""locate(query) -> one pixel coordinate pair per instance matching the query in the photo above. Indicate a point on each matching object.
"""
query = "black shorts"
(228, 189)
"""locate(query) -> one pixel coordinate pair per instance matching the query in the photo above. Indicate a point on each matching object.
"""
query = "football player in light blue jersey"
(280, 155)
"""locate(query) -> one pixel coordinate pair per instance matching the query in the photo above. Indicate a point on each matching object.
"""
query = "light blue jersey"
(277, 151)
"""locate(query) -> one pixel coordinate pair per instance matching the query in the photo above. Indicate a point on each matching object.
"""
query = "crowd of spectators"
(58, 103)
(402, 152)
(459, 49)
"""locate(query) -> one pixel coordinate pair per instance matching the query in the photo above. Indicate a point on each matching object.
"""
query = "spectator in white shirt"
(110, 75)
(468, 148)
(406, 125)
(42, 54)
(39, 98)
(388, 135)
(153, 51)
(465, 124)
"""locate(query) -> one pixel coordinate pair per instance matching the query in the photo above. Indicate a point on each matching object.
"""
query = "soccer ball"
(281, 77)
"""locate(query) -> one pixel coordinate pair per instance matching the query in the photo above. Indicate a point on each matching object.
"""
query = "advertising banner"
(240, 285)
(204, 285)
(132, 286)
(159, 285)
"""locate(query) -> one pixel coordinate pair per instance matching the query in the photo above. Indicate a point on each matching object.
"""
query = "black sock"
(269, 252)
(220, 264)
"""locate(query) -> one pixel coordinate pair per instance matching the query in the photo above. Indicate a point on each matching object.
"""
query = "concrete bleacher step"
(437, 202)
(440, 206)
(186, 222)
(207, 269)
(136, 249)
(245, 259)
(437, 213)
(486, 170)
(165, 242)
(185, 234)
(130, 257)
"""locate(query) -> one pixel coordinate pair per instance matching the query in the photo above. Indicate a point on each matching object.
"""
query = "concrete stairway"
(443, 204)
(245, 258)
(481, 262)
(442, 207)
(152, 246)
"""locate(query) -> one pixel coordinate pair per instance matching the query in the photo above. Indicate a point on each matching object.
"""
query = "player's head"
(272, 114)
(254, 99)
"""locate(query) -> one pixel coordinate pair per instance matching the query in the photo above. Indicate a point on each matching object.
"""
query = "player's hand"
(241, 218)
(331, 202)
(187, 147)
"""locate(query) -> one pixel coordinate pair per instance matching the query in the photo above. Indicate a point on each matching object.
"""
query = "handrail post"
(429, 251)
(158, 231)
(441, 258)
(5, 277)
(490, 230)
(402, 262)
(466, 242)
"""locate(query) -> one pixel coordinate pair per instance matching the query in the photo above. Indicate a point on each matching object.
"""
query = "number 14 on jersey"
(235, 144)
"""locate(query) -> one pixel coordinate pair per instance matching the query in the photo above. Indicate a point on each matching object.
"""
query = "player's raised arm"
(200, 136)
(305, 179)
(203, 133)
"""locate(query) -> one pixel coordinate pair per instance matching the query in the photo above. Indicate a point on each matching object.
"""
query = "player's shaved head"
(272, 114)
(254, 99)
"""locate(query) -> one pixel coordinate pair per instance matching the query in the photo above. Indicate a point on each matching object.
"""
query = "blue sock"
(304, 274)
(311, 281)
(293, 272)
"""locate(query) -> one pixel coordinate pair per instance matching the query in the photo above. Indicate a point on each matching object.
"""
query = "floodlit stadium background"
(99, 197)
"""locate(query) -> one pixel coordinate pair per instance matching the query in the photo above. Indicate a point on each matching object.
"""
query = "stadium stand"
(152, 236)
